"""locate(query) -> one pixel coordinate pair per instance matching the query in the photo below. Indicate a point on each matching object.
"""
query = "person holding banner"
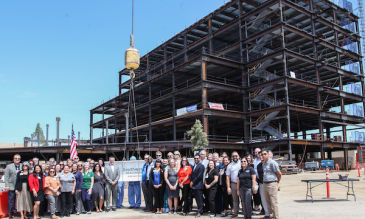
(149, 186)
(134, 192)
(144, 186)
(157, 181)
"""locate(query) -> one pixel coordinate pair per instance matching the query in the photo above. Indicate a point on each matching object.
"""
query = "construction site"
(285, 75)
(277, 74)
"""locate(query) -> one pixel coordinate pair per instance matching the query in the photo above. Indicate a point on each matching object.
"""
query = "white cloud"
(27, 94)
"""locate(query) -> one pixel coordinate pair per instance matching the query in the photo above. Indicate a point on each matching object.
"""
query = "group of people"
(77, 187)
(219, 184)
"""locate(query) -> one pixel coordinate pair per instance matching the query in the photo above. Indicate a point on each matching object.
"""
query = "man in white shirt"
(232, 177)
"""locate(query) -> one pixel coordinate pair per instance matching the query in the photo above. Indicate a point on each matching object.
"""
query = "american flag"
(73, 152)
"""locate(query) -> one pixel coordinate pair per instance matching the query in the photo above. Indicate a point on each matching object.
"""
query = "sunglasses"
(51, 171)
(196, 158)
(264, 154)
(158, 155)
(79, 165)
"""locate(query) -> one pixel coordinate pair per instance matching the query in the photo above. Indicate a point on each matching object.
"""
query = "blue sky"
(61, 58)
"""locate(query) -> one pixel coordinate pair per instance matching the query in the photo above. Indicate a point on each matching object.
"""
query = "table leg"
(311, 191)
(352, 189)
(306, 197)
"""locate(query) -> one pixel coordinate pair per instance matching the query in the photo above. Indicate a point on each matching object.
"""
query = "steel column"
(126, 115)
(149, 113)
(211, 39)
(173, 107)
(107, 131)
(346, 159)
(91, 126)
(204, 97)
(102, 125)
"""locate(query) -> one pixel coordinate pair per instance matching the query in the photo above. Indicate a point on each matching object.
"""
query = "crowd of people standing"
(220, 185)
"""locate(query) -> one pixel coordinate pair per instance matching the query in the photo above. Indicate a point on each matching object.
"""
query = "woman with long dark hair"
(184, 183)
(36, 187)
(157, 179)
(23, 199)
(102, 164)
(223, 182)
(211, 180)
(98, 188)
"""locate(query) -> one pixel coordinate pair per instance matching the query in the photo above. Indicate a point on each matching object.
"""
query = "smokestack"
(58, 119)
(47, 134)
(31, 143)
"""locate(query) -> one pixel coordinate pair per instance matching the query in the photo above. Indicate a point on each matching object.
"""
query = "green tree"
(198, 137)
(41, 135)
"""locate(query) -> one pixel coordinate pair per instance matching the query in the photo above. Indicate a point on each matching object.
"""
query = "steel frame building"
(276, 66)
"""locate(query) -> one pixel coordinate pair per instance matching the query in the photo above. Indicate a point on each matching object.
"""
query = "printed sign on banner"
(192, 108)
(216, 106)
(181, 111)
(129, 170)
(188, 109)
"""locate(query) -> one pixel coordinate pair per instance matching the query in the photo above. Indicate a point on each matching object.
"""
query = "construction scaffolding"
(279, 74)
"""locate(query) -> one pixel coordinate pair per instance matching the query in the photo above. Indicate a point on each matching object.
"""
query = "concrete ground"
(292, 203)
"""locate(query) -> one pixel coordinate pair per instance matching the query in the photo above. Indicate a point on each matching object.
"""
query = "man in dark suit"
(197, 183)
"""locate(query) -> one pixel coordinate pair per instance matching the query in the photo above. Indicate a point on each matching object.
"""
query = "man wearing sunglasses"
(76, 159)
(170, 155)
(272, 177)
(11, 172)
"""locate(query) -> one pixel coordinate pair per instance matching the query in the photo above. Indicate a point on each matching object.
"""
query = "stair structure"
(259, 71)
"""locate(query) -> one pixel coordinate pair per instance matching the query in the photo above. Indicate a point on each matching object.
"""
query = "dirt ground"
(292, 203)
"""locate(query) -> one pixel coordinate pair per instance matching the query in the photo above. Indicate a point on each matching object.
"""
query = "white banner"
(129, 170)
(216, 106)
(187, 109)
